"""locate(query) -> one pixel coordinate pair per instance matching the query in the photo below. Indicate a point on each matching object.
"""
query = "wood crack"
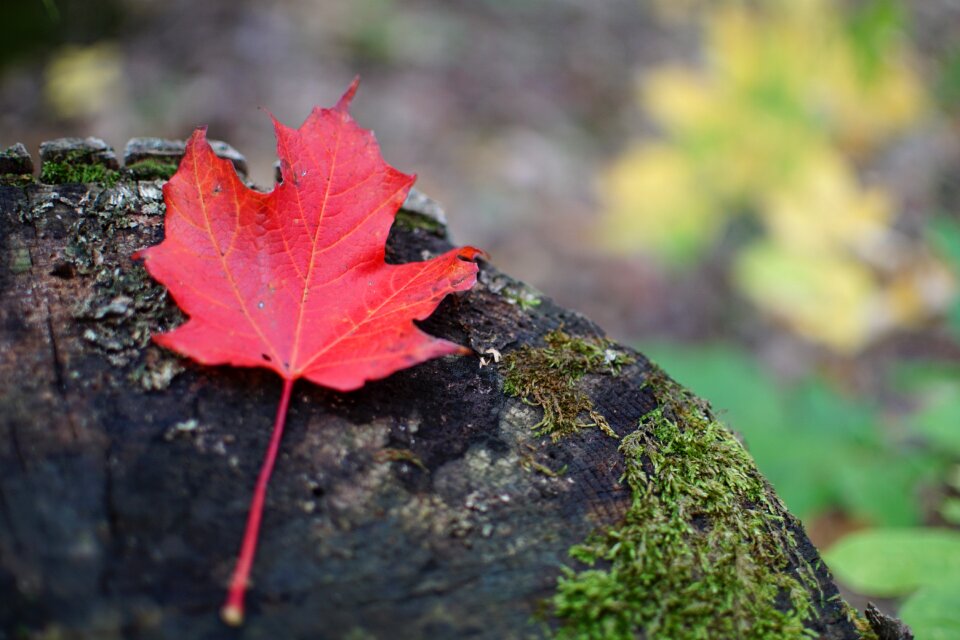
(8, 517)
(17, 449)
(58, 375)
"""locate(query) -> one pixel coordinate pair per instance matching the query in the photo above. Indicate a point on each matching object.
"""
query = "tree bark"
(421, 506)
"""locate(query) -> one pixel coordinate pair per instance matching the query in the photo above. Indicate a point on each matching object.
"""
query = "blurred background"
(763, 196)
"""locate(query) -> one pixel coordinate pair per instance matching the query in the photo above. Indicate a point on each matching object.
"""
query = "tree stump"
(441, 502)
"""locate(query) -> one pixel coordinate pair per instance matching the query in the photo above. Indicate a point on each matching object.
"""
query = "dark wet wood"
(407, 509)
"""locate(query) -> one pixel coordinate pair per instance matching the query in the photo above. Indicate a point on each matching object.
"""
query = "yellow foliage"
(825, 212)
(913, 291)
(740, 149)
(658, 200)
(770, 127)
(828, 300)
(678, 98)
(796, 61)
(81, 80)
(838, 300)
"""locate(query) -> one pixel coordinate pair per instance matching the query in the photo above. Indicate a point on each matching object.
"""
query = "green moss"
(700, 553)
(411, 221)
(867, 632)
(512, 291)
(71, 173)
(151, 170)
(548, 377)
(529, 463)
(20, 261)
(522, 297)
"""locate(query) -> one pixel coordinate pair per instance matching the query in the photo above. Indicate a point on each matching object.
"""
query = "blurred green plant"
(821, 449)
(944, 234)
(922, 564)
(791, 101)
(33, 27)
(793, 95)
(825, 450)
(948, 81)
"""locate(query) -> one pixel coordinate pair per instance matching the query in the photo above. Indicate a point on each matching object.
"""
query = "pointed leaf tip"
(343, 104)
(471, 253)
(200, 133)
(196, 141)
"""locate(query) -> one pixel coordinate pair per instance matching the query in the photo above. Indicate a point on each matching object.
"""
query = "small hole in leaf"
(266, 357)
(260, 305)
(217, 189)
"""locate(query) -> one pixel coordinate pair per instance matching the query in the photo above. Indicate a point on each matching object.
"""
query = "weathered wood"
(422, 506)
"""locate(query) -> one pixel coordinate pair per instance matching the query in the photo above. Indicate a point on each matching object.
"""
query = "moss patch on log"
(522, 297)
(699, 553)
(513, 291)
(414, 220)
(76, 173)
(548, 377)
(151, 170)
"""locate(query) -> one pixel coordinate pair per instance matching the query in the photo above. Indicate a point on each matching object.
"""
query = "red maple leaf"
(295, 280)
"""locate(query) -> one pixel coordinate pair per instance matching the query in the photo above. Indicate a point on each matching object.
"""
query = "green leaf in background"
(944, 234)
(881, 486)
(894, 562)
(921, 375)
(950, 510)
(933, 612)
(939, 420)
(738, 387)
(953, 478)
(814, 406)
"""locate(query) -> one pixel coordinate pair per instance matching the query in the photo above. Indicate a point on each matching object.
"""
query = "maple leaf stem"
(232, 611)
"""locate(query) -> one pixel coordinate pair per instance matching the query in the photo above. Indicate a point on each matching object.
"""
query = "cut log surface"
(424, 505)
